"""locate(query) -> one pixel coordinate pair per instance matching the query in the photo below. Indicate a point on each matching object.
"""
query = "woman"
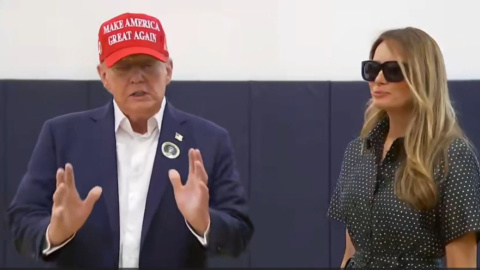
(408, 190)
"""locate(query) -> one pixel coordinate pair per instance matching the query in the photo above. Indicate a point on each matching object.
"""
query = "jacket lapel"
(159, 182)
(105, 163)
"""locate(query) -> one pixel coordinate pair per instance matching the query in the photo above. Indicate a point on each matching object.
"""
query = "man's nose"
(136, 75)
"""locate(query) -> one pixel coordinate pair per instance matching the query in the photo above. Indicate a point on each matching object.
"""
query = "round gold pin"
(170, 150)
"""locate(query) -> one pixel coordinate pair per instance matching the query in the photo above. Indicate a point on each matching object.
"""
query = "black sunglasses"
(391, 71)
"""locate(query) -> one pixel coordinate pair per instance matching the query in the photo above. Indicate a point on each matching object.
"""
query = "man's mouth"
(138, 94)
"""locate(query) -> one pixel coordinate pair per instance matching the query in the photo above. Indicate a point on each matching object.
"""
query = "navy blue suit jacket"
(87, 140)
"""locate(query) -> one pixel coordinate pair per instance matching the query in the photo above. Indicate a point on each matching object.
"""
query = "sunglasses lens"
(392, 72)
(370, 70)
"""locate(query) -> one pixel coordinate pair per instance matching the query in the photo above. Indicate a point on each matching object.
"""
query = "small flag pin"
(178, 137)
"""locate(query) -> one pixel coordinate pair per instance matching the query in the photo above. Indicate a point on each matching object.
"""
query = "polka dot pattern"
(389, 233)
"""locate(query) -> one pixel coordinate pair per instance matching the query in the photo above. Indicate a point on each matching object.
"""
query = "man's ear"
(102, 73)
(169, 66)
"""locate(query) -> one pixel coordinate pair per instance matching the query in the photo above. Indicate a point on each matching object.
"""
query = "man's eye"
(122, 67)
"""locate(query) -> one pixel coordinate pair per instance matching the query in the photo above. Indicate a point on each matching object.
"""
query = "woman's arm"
(460, 206)
(462, 252)
(349, 249)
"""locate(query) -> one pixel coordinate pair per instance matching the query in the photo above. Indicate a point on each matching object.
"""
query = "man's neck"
(139, 125)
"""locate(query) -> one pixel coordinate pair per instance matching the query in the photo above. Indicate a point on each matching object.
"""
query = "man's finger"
(201, 173)
(60, 176)
(200, 169)
(175, 179)
(199, 156)
(69, 177)
(59, 195)
(92, 197)
(191, 162)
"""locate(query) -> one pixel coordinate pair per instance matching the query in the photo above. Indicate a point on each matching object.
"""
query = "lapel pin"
(179, 137)
(170, 150)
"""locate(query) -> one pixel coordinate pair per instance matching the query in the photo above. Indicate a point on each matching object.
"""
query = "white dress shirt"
(136, 155)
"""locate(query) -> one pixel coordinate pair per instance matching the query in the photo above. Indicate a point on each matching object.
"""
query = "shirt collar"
(121, 121)
(378, 134)
(376, 138)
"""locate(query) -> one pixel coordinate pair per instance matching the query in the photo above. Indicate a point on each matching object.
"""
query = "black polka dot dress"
(388, 233)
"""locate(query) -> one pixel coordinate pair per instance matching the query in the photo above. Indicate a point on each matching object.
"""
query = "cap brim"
(118, 55)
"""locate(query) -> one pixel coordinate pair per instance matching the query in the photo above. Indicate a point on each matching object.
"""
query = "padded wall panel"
(29, 105)
(290, 174)
(3, 175)
(466, 101)
(97, 94)
(348, 103)
(227, 104)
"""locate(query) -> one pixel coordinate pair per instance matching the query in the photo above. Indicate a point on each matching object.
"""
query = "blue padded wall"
(3, 175)
(28, 105)
(289, 139)
(289, 157)
(348, 104)
(465, 96)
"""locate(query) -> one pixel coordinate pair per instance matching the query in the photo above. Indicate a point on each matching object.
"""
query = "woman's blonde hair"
(433, 125)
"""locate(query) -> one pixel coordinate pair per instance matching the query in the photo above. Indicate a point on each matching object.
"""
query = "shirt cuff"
(202, 239)
(48, 247)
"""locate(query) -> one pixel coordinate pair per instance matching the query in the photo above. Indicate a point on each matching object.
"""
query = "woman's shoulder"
(460, 147)
(355, 146)
(461, 160)
(353, 152)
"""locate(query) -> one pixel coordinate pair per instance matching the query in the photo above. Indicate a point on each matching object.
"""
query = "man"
(160, 186)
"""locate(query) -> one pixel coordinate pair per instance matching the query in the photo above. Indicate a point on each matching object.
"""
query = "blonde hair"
(433, 125)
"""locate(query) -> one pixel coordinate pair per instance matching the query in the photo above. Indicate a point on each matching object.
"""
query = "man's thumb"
(175, 179)
(93, 197)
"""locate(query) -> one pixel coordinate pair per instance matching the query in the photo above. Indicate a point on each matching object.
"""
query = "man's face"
(138, 84)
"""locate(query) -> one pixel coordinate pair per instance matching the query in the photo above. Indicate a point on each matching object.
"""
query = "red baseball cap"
(131, 33)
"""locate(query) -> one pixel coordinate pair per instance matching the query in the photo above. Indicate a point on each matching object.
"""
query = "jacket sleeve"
(230, 226)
